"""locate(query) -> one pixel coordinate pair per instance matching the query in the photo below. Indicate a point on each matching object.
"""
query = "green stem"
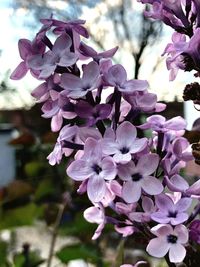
(55, 234)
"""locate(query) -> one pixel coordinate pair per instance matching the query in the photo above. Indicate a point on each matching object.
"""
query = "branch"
(54, 234)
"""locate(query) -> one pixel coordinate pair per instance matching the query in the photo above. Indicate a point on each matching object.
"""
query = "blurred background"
(32, 193)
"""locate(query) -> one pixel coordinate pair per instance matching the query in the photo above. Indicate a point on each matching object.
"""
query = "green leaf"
(79, 251)
(120, 253)
(78, 227)
(45, 188)
(3, 253)
(18, 260)
(19, 216)
(34, 259)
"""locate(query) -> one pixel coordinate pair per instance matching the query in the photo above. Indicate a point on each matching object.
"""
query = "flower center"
(124, 150)
(96, 168)
(136, 177)
(96, 114)
(172, 239)
(172, 214)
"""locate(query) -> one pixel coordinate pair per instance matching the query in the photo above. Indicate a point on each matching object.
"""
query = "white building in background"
(190, 113)
(7, 156)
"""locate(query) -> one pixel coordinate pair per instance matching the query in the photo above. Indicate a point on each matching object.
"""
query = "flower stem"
(194, 214)
(55, 234)
(117, 109)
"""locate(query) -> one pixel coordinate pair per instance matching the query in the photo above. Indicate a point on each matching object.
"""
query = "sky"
(13, 28)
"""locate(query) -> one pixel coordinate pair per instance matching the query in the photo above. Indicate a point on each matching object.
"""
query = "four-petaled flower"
(60, 55)
(170, 212)
(94, 167)
(124, 144)
(138, 177)
(76, 87)
(168, 239)
(117, 77)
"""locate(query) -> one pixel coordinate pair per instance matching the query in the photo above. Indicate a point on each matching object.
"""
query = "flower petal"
(176, 123)
(19, 72)
(138, 145)
(182, 232)
(109, 146)
(158, 247)
(56, 122)
(162, 230)
(109, 170)
(62, 42)
(151, 185)
(116, 75)
(125, 170)
(67, 59)
(90, 74)
(134, 85)
(164, 203)
(96, 188)
(94, 215)
(79, 170)
(160, 217)
(177, 253)
(70, 81)
(24, 46)
(126, 134)
(148, 164)
(183, 204)
(122, 158)
(180, 218)
(131, 191)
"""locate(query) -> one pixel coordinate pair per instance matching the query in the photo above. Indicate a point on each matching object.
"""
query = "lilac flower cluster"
(183, 51)
(93, 105)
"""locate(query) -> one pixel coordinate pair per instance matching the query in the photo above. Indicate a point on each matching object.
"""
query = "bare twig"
(55, 234)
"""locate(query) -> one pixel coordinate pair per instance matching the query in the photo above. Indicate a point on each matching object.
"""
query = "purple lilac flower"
(173, 180)
(197, 11)
(68, 133)
(94, 167)
(124, 208)
(26, 50)
(144, 101)
(55, 111)
(76, 87)
(176, 183)
(96, 214)
(92, 114)
(88, 51)
(174, 50)
(125, 230)
(169, 11)
(192, 60)
(194, 190)
(117, 77)
(181, 149)
(60, 55)
(46, 90)
(138, 177)
(170, 212)
(145, 216)
(64, 26)
(124, 144)
(158, 123)
(194, 231)
(170, 240)
(85, 132)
